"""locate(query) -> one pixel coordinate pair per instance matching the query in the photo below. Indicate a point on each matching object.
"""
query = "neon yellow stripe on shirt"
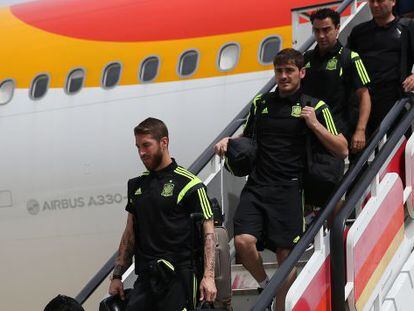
(329, 121)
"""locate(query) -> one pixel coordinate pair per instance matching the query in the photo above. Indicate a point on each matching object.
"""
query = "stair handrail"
(337, 237)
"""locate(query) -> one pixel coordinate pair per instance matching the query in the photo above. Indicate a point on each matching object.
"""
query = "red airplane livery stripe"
(155, 20)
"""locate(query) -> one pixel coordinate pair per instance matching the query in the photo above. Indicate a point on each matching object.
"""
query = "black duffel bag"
(241, 155)
(241, 151)
(323, 172)
(112, 303)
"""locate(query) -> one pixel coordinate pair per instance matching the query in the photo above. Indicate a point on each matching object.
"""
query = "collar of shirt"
(293, 99)
(169, 168)
(331, 53)
(386, 26)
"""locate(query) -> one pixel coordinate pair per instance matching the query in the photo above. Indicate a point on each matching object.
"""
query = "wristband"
(116, 277)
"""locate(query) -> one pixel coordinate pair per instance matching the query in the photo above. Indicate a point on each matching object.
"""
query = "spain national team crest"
(168, 190)
(332, 64)
(296, 110)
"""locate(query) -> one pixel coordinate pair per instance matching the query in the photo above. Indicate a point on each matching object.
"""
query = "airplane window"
(188, 63)
(39, 86)
(74, 82)
(6, 91)
(111, 75)
(229, 56)
(268, 50)
(149, 69)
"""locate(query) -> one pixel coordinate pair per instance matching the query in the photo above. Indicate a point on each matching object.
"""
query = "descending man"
(336, 75)
(270, 212)
(333, 74)
(386, 46)
(158, 230)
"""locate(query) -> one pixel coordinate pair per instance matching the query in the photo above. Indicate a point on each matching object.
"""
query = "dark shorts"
(383, 98)
(274, 215)
(179, 293)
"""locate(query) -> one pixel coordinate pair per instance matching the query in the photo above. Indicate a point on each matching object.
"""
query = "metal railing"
(337, 231)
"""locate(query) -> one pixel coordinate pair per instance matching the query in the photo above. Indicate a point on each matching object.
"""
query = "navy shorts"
(272, 214)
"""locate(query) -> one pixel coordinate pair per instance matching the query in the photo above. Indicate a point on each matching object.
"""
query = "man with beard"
(336, 75)
(158, 230)
(333, 74)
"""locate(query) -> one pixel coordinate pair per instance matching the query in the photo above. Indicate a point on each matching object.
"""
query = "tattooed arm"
(124, 259)
(208, 289)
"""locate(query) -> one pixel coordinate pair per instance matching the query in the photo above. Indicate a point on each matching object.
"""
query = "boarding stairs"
(386, 258)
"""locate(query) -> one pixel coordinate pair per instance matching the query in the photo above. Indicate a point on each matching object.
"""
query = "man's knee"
(244, 243)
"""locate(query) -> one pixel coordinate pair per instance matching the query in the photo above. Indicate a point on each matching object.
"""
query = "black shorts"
(179, 293)
(272, 214)
(383, 98)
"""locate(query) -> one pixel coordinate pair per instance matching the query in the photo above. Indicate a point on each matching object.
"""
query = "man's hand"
(117, 288)
(308, 113)
(221, 147)
(408, 83)
(358, 141)
(208, 289)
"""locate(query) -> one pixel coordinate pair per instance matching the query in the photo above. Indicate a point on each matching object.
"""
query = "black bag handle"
(203, 304)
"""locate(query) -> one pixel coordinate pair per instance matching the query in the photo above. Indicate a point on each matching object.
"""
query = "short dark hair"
(326, 13)
(289, 56)
(152, 126)
(63, 303)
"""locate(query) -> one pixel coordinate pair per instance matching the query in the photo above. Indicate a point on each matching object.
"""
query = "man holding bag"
(270, 212)
(158, 230)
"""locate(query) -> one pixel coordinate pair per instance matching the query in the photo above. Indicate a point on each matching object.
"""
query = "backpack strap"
(306, 100)
(345, 57)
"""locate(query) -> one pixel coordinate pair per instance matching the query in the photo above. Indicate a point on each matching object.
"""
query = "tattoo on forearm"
(125, 253)
(209, 254)
(119, 270)
(128, 251)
